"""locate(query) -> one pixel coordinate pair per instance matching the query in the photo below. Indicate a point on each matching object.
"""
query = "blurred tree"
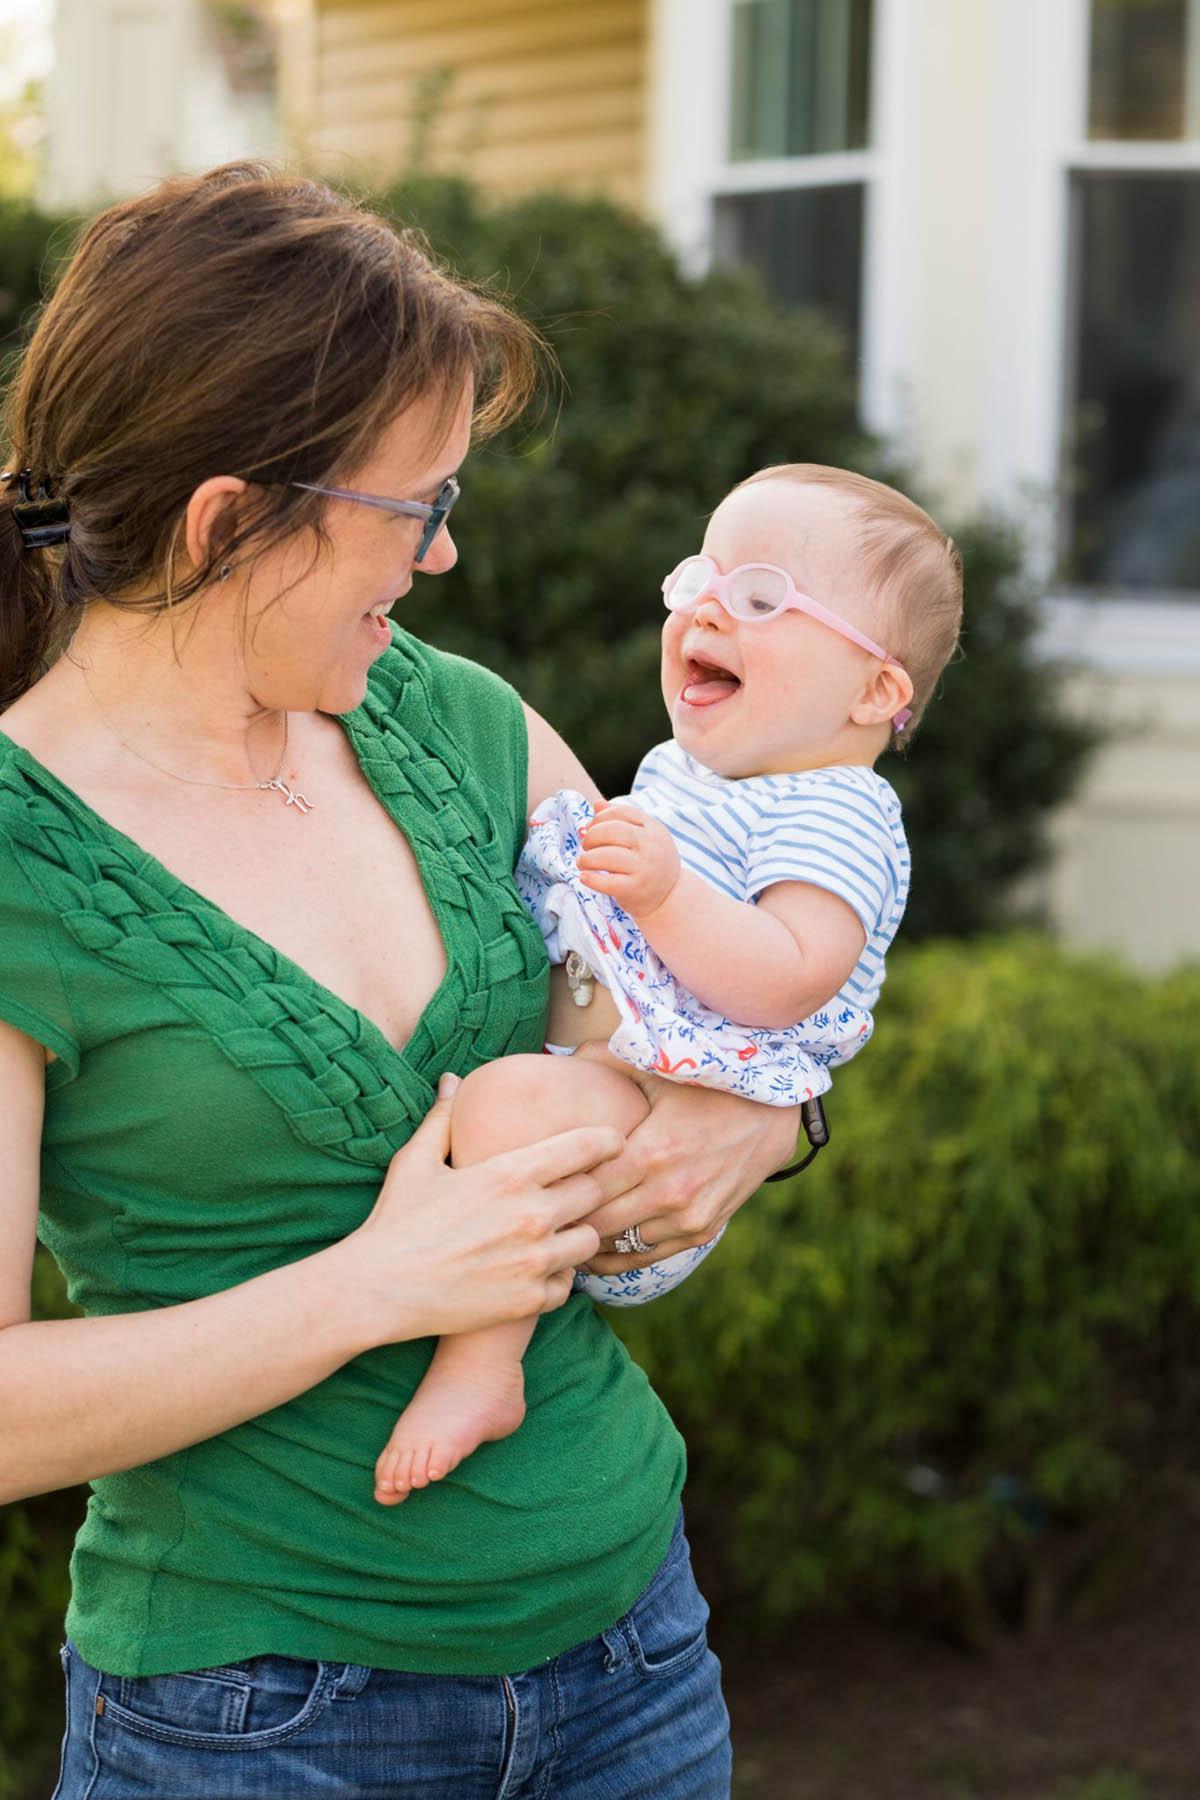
(22, 125)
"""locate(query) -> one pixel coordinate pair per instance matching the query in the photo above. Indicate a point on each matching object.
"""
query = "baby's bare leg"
(474, 1389)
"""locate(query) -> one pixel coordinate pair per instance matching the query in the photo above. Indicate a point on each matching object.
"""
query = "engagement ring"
(631, 1243)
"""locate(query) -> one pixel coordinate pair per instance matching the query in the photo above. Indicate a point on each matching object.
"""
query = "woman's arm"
(683, 1174)
(442, 1251)
(553, 765)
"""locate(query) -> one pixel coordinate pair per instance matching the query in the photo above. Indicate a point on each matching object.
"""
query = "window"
(791, 195)
(1142, 84)
(800, 71)
(1134, 327)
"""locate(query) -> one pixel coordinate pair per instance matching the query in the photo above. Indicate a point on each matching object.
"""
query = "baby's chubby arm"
(766, 965)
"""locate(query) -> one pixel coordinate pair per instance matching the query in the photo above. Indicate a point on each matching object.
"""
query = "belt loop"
(352, 1680)
(616, 1647)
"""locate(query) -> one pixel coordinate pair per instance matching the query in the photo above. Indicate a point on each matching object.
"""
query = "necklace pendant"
(293, 799)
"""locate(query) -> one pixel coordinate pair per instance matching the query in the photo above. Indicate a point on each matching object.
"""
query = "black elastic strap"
(816, 1130)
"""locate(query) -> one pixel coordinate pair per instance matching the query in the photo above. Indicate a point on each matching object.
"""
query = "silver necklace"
(275, 781)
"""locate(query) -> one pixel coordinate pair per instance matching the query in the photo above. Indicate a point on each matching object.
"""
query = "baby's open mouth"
(705, 683)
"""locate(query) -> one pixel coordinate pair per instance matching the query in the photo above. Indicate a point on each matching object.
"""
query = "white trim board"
(1156, 638)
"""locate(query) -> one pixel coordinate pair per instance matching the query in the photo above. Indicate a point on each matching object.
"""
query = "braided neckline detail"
(343, 1086)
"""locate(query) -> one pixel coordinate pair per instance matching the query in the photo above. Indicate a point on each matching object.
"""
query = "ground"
(1100, 1707)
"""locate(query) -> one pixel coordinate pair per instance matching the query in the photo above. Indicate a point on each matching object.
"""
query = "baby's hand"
(629, 855)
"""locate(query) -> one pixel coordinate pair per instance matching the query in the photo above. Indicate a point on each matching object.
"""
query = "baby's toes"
(392, 1476)
(420, 1476)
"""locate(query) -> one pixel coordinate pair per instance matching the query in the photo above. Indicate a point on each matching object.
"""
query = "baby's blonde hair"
(913, 569)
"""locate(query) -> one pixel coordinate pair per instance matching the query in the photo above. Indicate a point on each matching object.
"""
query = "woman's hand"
(687, 1169)
(449, 1250)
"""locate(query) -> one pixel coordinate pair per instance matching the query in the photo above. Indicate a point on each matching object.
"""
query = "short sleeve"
(33, 993)
(833, 834)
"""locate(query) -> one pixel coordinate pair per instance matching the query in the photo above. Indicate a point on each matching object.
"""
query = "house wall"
(997, 115)
(977, 113)
(138, 90)
(539, 93)
(1126, 872)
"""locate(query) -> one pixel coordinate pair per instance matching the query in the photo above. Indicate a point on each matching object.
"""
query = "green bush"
(969, 1328)
(32, 244)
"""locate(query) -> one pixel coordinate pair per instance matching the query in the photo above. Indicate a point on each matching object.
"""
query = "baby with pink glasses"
(727, 923)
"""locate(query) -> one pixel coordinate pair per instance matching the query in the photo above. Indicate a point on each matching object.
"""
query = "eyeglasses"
(755, 592)
(435, 512)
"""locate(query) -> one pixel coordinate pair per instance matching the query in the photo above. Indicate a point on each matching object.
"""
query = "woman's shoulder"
(36, 892)
(22, 820)
(43, 824)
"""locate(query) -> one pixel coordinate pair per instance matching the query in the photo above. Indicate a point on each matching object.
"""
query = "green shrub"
(968, 1328)
(32, 243)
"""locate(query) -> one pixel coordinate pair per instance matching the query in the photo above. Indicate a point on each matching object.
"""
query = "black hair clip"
(41, 519)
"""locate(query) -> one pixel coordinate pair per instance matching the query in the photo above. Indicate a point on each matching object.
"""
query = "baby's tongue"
(712, 686)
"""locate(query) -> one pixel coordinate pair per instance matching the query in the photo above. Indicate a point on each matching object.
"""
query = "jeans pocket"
(665, 1627)
(238, 1706)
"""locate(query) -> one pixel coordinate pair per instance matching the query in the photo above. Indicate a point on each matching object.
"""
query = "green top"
(214, 1113)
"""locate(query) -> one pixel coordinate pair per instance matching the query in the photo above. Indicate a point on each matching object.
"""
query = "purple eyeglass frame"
(793, 601)
(433, 513)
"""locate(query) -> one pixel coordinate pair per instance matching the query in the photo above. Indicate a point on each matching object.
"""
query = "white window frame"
(690, 169)
(1112, 632)
(1038, 82)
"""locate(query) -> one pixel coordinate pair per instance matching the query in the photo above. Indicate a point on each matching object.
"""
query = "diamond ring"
(631, 1243)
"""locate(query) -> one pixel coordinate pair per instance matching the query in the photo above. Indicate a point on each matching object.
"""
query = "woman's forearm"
(80, 1398)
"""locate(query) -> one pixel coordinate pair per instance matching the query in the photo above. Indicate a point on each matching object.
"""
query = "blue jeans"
(635, 1712)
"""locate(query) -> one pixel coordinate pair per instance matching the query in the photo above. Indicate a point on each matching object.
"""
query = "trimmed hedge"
(969, 1328)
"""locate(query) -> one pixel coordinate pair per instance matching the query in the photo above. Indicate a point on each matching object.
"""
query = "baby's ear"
(888, 692)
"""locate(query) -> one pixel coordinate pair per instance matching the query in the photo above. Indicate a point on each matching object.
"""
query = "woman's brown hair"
(243, 322)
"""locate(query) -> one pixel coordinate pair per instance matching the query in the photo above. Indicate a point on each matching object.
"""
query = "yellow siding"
(538, 92)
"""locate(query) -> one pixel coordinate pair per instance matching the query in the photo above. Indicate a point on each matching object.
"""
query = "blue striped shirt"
(837, 828)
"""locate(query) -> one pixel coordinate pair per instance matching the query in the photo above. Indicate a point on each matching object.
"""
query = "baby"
(728, 924)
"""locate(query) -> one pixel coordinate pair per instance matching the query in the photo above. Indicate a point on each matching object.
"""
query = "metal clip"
(580, 979)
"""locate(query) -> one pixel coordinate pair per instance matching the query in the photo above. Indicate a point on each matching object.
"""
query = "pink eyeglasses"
(755, 592)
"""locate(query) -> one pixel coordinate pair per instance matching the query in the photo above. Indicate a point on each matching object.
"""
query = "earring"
(226, 570)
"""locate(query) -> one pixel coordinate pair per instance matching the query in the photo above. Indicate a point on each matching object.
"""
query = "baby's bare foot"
(451, 1414)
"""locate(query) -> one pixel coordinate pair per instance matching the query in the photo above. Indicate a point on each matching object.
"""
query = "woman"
(255, 900)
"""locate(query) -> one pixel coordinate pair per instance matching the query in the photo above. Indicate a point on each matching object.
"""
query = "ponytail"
(32, 612)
